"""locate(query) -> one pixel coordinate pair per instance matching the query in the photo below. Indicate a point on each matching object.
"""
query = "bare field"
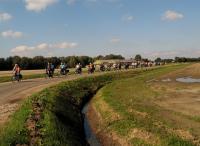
(181, 101)
(33, 72)
(177, 96)
(24, 72)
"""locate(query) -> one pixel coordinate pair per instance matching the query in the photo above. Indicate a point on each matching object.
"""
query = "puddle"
(90, 136)
(188, 80)
(153, 80)
(166, 80)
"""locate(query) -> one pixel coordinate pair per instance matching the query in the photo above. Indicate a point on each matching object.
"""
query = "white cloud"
(115, 40)
(130, 18)
(71, 2)
(127, 18)
(5, 17)
(64, 45)
(24, 49)
(38, 5)
(43, 46)
(91, 0)
(172, 16)
(112, 1)
(12, 34)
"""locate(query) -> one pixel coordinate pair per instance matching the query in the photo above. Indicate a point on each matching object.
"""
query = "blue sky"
(153, 28)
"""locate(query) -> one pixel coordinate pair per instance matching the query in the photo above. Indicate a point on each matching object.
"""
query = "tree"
(158, 59)
(99, 57)
(138, 57)
(16, 60)
(112, 56)
(2, 64)
(39, 62)
(73, 60)
(26, 63)
(85, 60)
(54, 60)
(9, 63)
(108, 57)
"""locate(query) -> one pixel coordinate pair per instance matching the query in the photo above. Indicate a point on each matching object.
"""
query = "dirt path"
(11, 94)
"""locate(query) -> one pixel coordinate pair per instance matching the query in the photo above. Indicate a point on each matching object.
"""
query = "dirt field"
(181, 98)
(29, 72)
(177, 96)
(25, 72)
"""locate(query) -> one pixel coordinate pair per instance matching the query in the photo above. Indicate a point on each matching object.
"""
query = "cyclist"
(16, 71)
(63, 68)
(91, 68)
(49, 70)
(78, 68)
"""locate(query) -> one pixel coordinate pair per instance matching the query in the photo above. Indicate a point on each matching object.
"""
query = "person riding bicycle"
(17, 72)
(78, 68)
(49, 69)
(63, 68)
(101, 67)
(91, 68)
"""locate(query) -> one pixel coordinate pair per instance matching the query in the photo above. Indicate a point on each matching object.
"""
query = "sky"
(152, 28)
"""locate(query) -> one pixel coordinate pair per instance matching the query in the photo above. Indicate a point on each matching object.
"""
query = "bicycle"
(16, 77)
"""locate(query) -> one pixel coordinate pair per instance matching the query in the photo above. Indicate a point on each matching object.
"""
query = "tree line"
(178, 60)
(40, 62)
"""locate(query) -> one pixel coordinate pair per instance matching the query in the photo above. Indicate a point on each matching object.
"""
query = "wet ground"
(180, 90)
(188, 80)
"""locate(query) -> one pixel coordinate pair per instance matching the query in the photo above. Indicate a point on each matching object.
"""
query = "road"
(11, 94)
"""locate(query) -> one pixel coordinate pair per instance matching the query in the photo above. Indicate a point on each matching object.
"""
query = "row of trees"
(185, 59)
(107, 57)
(178, 60)
(40, 62)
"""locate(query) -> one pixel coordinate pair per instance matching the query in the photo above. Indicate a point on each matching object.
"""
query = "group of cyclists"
(63, 68)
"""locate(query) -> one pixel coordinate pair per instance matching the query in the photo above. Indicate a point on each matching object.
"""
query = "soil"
(180, 97)
(181, 102)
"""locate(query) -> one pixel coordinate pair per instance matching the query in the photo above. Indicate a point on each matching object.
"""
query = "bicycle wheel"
(12, 78)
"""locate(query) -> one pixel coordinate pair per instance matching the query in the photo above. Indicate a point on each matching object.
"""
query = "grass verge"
(127, 108)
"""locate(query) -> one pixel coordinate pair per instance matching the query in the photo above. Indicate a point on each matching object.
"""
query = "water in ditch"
(90, 136)
(188, 80)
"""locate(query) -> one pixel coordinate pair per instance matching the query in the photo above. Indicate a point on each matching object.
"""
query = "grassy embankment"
(52, 116)
(129, 114)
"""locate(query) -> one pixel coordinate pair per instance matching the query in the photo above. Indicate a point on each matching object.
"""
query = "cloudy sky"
(153, 28)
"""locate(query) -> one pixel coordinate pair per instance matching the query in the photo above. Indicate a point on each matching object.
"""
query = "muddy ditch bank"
(53, 116)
